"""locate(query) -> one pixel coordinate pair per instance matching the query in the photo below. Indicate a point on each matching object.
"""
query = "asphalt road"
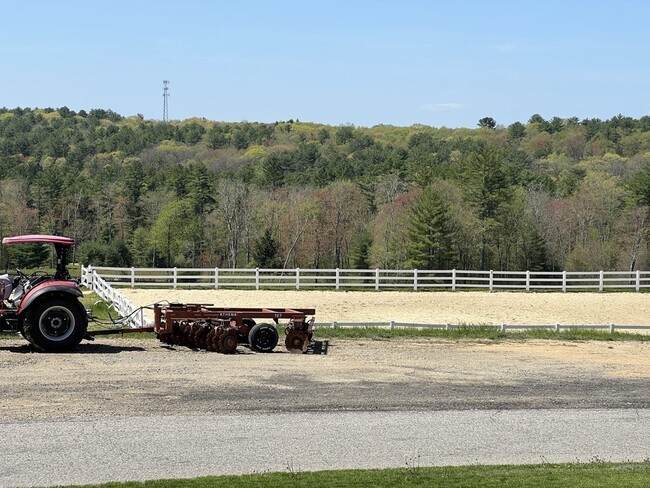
(45, 453)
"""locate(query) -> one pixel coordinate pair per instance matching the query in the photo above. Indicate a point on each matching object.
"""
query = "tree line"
(540, 195)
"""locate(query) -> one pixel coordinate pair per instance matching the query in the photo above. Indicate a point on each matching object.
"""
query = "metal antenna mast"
(165, 104)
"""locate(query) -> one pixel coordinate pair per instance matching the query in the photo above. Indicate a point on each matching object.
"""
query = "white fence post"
(601, 281)
(338, 283)
(377, 279)
(216, 278)
(257, 278)
(491, 280)
(638, 280)
(297, 278)
(564, 281)
(527, 280)
(453, 279)
(132, 277)
(415, 280)
(175, 277)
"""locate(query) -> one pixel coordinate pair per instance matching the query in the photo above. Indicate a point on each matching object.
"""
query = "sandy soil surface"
(429, 307)
(127, 376)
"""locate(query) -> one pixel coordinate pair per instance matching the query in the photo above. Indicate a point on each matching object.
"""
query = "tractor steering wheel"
(22, 275)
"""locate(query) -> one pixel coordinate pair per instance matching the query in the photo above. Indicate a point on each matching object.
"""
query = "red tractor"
(43, 307)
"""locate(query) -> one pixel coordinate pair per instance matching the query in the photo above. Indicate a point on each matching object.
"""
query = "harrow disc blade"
(228, 341)
(297, 341)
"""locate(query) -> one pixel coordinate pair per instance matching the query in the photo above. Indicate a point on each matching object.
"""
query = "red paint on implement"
(42, 238)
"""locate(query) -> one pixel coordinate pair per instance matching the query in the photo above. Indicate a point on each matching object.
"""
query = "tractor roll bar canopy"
(61, 244)
(41, 238)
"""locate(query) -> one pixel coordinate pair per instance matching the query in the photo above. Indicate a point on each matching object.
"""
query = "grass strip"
(477, 332)
(590, 475)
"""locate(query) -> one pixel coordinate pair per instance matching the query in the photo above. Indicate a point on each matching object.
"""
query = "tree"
(359, 254)
(486, 188)
(430, 238)
(173, 231)
(266, 250)
(516, 131)
(344, 134)
(555, 125)
(29, 255)
(301, 211)
(219, 136)
(234, 212)
(345, 211)
(639, 185)
(199, 188)
(133, 182)
(487, 122)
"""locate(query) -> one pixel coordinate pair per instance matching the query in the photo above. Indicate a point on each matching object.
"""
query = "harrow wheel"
(263, 338)
(297, 342)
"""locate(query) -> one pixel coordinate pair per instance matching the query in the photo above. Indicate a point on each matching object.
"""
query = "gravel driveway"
(125, 376)
(161, 412)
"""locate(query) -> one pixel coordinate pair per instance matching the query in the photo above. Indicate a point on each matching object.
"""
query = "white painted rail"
(373, 279)
(133, 316)
(91, 279)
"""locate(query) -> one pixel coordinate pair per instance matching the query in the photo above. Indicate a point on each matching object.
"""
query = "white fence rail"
(91, 279)
(372, 279)
(611, 328)
(133, 316)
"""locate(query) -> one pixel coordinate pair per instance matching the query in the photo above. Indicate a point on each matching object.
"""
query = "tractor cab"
(44, 307)
(14, 289)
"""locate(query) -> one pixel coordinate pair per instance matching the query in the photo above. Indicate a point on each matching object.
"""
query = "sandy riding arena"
(471, 308)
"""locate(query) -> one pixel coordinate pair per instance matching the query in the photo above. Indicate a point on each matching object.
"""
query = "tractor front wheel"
(55, 324)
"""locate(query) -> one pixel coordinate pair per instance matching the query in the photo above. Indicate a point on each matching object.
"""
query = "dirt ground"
(429, 307)
(127, 376)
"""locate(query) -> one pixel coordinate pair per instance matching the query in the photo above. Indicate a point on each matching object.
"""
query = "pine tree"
(266, 250)
(359, 254)
(430, 235)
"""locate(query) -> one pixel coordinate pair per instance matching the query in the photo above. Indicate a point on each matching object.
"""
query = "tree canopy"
(554, 193)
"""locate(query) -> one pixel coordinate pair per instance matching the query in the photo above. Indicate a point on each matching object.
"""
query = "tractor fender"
(60, 288)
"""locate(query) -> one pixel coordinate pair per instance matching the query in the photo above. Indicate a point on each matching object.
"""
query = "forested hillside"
(539, 194)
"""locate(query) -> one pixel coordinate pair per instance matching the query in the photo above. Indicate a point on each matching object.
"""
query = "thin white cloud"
(435, 107)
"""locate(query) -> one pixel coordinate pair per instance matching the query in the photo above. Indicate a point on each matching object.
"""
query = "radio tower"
(165, 97)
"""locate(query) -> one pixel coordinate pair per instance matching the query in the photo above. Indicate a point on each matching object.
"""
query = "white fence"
(372, 279)
(90, 278)
(131, 315)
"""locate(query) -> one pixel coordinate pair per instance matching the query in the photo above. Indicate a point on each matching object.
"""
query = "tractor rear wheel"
(263, 338)
(55, 324)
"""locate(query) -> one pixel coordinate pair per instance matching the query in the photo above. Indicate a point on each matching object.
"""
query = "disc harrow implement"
(222, 329)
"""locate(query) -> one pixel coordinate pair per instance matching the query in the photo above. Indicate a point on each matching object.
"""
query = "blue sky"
(440, 63)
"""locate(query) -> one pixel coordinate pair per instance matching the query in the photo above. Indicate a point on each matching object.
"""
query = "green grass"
(592, 475)
(476, 332)
(100, 308)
